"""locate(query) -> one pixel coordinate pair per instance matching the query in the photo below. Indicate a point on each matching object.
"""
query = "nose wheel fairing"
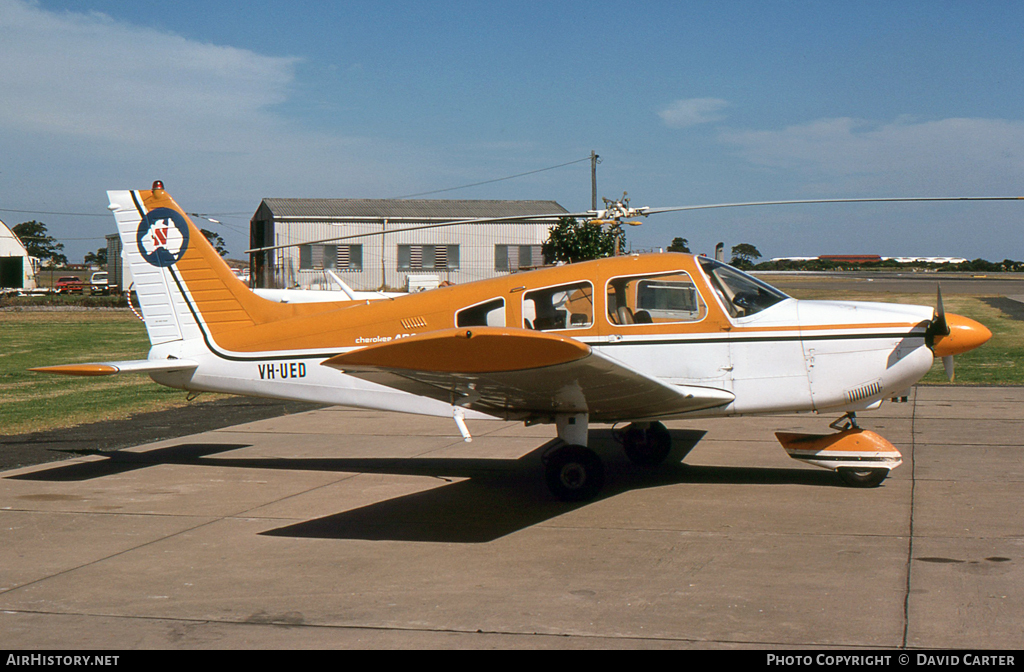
(859, 456)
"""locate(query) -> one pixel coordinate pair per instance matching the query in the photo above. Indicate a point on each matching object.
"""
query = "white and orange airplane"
(633, 339)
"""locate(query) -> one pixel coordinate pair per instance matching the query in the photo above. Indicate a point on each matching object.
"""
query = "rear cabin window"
(562, 307)
(488, 314)
(654, 299)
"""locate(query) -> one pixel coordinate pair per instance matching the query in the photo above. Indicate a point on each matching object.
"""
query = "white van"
(98, 283)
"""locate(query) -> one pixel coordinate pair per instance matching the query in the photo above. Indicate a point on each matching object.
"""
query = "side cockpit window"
(743, 295)
(654, 299)
(562, 307)
(488, 314)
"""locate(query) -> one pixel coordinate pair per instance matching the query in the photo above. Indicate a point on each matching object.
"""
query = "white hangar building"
(17, 268)
(387, 258)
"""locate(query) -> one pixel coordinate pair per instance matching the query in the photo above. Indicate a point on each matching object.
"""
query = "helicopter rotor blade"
(652, 211)
(625, 211)
(457, 222)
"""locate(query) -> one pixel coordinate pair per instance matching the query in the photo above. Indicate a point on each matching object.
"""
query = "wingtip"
(78, 369)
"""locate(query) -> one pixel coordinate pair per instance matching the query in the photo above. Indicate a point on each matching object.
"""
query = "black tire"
(647, 447)
(862, 478)
(574, 474)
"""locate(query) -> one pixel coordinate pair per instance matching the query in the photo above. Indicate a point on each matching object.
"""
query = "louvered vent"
(863, 392)
(414, 322)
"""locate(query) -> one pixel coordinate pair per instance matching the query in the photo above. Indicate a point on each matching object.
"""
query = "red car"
(69, 285)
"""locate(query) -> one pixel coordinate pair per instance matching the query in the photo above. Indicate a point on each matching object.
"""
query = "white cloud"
(92, 103)
(693, 111)
(947, 154)
(90, 76)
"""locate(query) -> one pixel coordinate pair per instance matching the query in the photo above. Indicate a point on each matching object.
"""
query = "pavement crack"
(910, 530)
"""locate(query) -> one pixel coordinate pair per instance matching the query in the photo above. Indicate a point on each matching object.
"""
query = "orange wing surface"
(517, 373)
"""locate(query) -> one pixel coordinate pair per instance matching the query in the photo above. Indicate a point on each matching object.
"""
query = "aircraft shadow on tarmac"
(481, 500)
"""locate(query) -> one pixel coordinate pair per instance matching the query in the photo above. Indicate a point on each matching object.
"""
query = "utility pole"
(594, 160)
(383, 255)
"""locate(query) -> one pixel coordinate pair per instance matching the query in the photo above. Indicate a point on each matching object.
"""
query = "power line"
(59, 239)
(44, 212)
(500, 179)
(229, 214)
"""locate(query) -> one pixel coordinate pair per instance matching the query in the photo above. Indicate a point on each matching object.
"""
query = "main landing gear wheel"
(862, 478)
(574, 473)
(647, 447)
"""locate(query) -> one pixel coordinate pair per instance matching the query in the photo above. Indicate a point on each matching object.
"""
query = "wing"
(110, 368)
(522, 374)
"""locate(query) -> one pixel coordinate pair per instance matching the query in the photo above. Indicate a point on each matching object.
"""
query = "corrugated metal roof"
(405, 209)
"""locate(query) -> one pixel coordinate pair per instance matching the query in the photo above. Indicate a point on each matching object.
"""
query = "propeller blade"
(941, 326)
(947, 363)
(938, 326)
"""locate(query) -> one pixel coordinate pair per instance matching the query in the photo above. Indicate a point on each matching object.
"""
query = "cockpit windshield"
(743, 295)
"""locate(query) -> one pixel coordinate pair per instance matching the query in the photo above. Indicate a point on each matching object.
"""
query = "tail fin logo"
(162, 237)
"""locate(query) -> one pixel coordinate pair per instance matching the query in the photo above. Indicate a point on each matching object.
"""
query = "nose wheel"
(861, 458)
(862, 478)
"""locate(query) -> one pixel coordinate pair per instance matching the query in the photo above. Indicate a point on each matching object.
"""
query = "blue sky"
(685, 102)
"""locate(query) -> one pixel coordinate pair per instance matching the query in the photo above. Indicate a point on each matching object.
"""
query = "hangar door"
(12, 272)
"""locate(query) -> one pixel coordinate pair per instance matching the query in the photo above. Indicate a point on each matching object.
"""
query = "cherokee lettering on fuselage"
(282, 370)
(370, 340)
(363, 340)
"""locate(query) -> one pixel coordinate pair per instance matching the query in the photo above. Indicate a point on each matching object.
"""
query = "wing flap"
(112, 368)
(516, 373)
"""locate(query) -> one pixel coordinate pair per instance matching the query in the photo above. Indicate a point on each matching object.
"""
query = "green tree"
(99, 257)
(679, 245)
(570, 241)
(743, 255)
(215, 240)
(40, 244)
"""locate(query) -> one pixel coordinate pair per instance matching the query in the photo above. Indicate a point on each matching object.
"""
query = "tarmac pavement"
(341, 528)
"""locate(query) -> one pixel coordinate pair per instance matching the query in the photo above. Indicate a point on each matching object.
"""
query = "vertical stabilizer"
(185, 289)
(150, 247)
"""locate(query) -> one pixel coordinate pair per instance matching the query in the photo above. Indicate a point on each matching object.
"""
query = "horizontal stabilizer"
(111, 368)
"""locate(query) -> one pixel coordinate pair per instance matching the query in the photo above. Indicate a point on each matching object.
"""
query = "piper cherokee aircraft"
(635, 339)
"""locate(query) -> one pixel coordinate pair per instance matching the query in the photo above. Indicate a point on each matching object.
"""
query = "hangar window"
(517, 257)
(654, 299)
(340, 257)
(428, 257)
(561, 307)
(316, 257)
(486, 314)
(349, 258)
